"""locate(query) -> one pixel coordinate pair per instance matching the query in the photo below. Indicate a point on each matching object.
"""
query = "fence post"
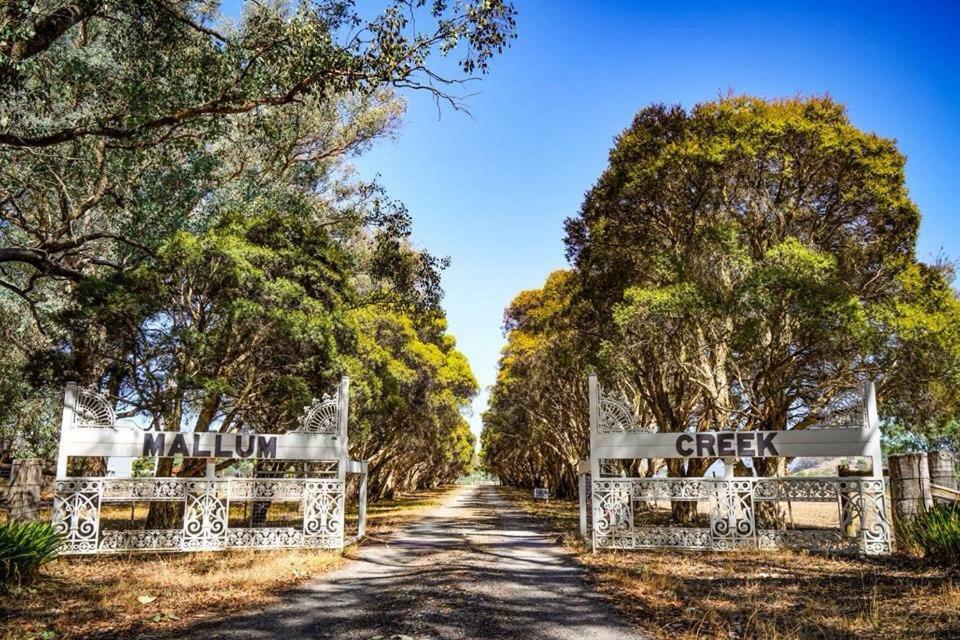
(582, 493)
(23, 494)
(943, 468)
(362, 503)
(910, 492)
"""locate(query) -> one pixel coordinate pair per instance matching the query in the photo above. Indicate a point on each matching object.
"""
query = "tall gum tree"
(752, 261)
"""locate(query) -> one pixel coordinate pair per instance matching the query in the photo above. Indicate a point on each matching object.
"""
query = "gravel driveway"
(474, 567)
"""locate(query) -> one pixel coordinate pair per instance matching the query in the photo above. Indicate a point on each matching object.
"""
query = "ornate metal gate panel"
(305, 489)
(323, 514)
(76, 513)
(205, 516)
(731, 505)
(732, 524)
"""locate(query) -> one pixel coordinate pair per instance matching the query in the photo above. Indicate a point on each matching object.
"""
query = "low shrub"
(936, 532)
(24, 548)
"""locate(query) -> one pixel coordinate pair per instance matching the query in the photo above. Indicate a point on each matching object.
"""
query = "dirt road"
(474, 567)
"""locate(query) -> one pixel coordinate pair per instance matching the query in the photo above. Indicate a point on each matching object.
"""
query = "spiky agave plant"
(24, 548)
(936, 532)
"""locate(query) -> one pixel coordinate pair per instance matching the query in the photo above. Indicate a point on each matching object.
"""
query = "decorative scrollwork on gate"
(144, 489)
(93, 410)
(323, 416)
(804, 489)
(76, 513)
(617, 417)
(323, 514)
(205, 517)
(874, 527)
(612, 513)
(846, 411)
(731, 515)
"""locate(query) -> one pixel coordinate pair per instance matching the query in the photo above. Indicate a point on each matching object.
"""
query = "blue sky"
(492, 190)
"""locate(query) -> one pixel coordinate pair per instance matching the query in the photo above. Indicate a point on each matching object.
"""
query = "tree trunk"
(770, 514)
(684, 512)
(165, 515)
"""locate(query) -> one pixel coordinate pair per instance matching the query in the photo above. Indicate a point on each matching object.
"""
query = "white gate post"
(594, 396)
(344, 396)
(582, 494)
(871, 423)
(362, 499)
(66, 423)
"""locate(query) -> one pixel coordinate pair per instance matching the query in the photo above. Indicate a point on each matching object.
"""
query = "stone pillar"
(23, 494)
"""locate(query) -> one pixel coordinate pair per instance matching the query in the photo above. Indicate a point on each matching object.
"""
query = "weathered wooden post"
(23, 494)
(943, 468)
(910, 492)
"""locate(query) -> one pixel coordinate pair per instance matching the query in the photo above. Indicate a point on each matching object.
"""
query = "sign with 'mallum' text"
(192, 445)
(134, 443)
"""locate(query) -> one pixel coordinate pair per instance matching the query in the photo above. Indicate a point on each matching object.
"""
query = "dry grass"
(97, 597)
(776, 595)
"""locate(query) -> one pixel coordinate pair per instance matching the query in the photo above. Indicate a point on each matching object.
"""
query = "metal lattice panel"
(847, 410)
(76, 513)
(93, 410)
(813, 540)
(265, 538)
(323, 416)
(266, 489)
(206, 523)
(732, 504)
(803, 489)
(205, 517)
(323, 513)
(732, 523)
(671, 488)
(145, 540)
(617, 417)
(671, 537)
(144, 489)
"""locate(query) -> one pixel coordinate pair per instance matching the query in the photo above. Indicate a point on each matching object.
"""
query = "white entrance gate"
(730, 502)
(215, 512)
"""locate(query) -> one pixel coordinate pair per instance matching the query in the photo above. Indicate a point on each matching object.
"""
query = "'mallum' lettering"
(727, 444)
(157, 444)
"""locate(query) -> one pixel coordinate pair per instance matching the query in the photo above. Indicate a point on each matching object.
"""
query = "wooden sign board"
(132, 442)
(735, 444)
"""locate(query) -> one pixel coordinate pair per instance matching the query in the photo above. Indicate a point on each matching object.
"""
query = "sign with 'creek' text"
(727, 444)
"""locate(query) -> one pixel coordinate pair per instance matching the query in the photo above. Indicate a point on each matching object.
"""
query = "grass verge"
(129, 596)
(771, 595)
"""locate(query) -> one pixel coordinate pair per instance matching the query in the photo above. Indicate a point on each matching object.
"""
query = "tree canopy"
(180, 225)
(745, 265)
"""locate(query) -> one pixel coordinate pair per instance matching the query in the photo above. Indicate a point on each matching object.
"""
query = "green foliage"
(536, 430)
(118, 120)
(411, 387)
(936, 532)
(182, 229)
(24, 548)
(143, 467)
(742, 265)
